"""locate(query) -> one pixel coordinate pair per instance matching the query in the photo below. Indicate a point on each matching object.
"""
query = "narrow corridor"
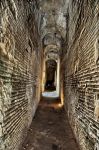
(49, 50)
(50, 129)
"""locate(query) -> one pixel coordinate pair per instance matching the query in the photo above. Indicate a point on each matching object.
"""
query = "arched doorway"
(51, 75)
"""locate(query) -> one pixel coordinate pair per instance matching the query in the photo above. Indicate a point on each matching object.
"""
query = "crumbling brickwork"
(20, 63)
(81, 76)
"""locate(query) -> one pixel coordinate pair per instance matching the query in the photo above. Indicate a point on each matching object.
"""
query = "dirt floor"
(50, 129)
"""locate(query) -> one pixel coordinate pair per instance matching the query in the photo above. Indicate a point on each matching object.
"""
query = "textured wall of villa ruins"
(81, 75)
(20, 61)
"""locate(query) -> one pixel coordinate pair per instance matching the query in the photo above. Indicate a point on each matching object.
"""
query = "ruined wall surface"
(20, 63)
(81, 76)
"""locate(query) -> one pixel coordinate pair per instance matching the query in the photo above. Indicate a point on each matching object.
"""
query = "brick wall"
(20, 65)
(81, 75)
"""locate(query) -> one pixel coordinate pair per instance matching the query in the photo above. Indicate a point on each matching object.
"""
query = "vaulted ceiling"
(53, 27)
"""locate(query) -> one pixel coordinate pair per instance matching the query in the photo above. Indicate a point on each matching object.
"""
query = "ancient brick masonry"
(81, 76)
(20, 63)
(21, 58)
